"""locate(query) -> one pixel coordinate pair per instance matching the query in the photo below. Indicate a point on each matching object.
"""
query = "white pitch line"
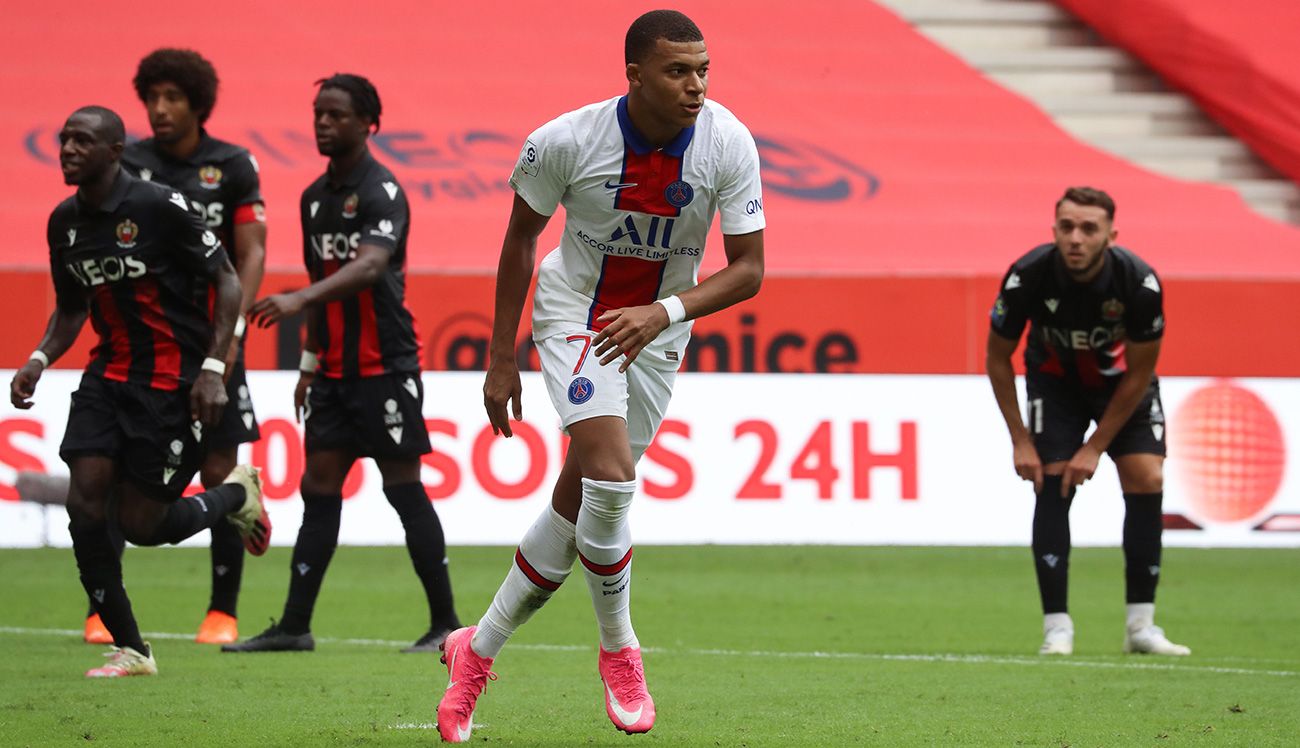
(1031, 661)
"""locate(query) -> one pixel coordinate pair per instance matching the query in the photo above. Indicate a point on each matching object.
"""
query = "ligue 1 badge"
(679, 194)
(350, 206)
(209, 177)
(127, 232)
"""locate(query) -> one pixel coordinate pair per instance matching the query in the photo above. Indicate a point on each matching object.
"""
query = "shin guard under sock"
(190, 515)
(541, 564)
(1051, 544)
(604, 543)
(1143, 525)
(317, 539)
(427, 548)
(101, 576)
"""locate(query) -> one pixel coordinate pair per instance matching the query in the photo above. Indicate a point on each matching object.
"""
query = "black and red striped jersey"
(1078, 330)
(372, 332)
(132, 263)
(220, 180)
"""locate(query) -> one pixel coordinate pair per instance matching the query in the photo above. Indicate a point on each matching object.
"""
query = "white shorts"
(581, 388)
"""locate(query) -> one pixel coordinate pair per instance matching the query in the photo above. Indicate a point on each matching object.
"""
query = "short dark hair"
(188, 69)
(669, 25)
(110, 129)
(1089, 196)
(365, 99)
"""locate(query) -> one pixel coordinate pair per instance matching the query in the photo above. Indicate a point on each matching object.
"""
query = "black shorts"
(147, 432)
(369, 416)
(238, 423)
(1060, 412)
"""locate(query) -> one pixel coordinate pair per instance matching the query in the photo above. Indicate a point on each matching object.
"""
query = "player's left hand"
(627, 331)
(1079, 469)
(271, 309)
(208, 398)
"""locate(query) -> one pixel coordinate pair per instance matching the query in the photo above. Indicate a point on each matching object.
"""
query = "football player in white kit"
(640, 178)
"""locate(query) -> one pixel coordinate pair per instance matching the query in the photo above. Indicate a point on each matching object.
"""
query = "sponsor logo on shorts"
(580, 390)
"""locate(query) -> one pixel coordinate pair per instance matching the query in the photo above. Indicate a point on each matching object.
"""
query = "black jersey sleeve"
(1144, 317)
(244, 183)
(385, 216)
(1009, 313)
(69, 294)
(197, 247)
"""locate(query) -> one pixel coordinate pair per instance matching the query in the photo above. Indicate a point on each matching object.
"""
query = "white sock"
(605, 547)
(1057, 621)
(1140, 615)
(541, 564)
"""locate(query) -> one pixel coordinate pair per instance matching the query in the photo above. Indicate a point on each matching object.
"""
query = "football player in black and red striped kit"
(360, 392)
(179, 90)
(125, 253)
(1096, 320)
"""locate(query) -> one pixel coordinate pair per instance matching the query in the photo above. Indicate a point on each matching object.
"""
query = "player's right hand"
(499, 390)
(1028, 465)
(300, 390)
(23, 385)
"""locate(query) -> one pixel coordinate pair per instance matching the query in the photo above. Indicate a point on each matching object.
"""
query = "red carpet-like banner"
(1239, 60)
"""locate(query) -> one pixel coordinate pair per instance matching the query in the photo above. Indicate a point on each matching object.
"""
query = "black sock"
(317, 539)
(227, 568)
(1143, 523)
(193, 514)
(428, 550)
(101, 576)
(118, 542)
(1051, 544)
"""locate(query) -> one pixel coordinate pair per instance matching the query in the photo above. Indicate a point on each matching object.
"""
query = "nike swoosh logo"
(618, 185)
(628, 718)
(616, 581)
(462, 733)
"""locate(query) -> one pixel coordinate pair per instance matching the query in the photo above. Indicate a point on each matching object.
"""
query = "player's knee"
(83, 509)
(216, 468)
(608, 469)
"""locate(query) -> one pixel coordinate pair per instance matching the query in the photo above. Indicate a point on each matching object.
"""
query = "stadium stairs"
(1099, 93)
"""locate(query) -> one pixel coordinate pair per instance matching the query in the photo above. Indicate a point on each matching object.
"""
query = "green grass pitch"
(745, 646)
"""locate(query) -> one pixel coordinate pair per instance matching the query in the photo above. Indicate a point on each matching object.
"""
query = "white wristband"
(39, 355)
(214, 365)
(240, 326)
(308, 363)
(676, 310)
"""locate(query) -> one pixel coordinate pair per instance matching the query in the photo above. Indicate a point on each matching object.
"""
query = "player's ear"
(633, 74)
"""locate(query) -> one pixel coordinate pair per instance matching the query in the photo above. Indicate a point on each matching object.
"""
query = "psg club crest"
(350, 206)
(1112, 310)
(209, 177)
(580, 390)
(127, 233)
(679, 194)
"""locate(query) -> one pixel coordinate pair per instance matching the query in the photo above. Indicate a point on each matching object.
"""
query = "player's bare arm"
(358, 274)
(501, 388)
(631, 329)
(208, 395)
(60, 334)
(250, 263)
(1140, 359)
(997, 362)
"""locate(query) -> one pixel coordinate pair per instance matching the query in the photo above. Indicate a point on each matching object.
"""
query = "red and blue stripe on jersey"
(647, 174)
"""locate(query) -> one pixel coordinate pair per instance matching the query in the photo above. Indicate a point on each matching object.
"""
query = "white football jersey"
(636, 217)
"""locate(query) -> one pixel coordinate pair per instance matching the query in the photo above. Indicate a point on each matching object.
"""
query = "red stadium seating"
(1239, 60)
(899, 183)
